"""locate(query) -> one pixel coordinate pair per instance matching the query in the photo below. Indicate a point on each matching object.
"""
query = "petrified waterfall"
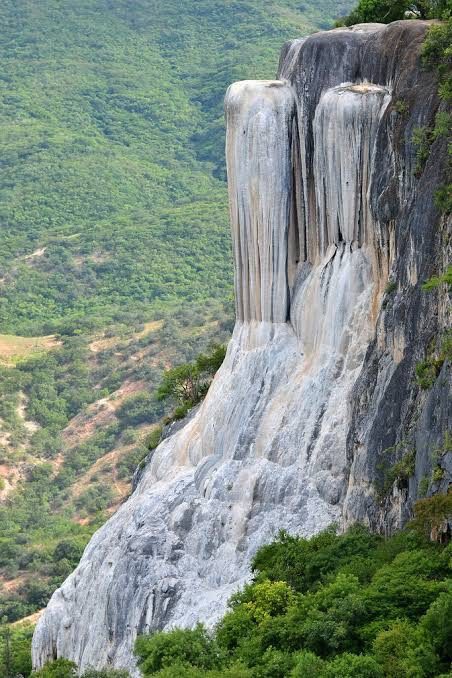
(260, 119)
(268, 448)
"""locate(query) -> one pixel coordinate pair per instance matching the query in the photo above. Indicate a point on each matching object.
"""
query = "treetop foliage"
(187, 384)
(386, 11)
(351, 605)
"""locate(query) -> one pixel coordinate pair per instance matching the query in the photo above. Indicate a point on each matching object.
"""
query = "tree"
(431, 516)
(105, 673)
(138, 409)
(352, 666)
(6, 654)
(437, 622)
(186, 647)
(385, 11)
(183, 384)
(189, 383)
(308, 665)
(405, 652)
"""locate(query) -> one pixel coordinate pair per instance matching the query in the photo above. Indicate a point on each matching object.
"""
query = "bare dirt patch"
(37, 253)
(32, 619)
(30, 426)
(99, 414)
(104, 343)
(13, 348)
(9, 477)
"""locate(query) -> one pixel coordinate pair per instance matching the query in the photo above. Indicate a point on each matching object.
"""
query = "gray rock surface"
(319, 375)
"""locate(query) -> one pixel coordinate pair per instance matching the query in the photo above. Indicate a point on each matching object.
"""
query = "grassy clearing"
(14, 348)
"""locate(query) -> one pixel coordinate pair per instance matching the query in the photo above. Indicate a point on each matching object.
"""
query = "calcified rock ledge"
(318, 377)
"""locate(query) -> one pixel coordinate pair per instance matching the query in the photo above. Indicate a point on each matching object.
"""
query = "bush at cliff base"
(63, 668)
(351, 605)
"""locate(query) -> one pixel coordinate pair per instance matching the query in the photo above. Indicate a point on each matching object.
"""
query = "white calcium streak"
(260, 118)
(345, 125)
(267, 448)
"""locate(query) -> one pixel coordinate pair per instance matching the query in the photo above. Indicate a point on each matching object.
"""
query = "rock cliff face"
(318, 378)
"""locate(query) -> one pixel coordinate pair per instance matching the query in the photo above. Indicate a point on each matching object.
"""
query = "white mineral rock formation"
(267, 448)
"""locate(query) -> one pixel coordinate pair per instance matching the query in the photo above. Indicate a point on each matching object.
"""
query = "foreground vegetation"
(333, 606)
(355, 605)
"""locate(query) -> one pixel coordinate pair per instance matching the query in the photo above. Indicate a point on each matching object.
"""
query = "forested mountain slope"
(114, 249)
(111, 148)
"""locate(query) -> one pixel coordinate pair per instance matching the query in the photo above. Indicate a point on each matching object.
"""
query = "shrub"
(60, 668)
(105, 673)
(186, 647)
(422, 140)
(431, 514)
(423, 487)
(308, 665)
(68, 550)
(399, 472)
(401, 106)
(437, 623)
(403, 651)
(187, 384)
(385, 11)
(154, 438)
(393, 622)
(436, 280)
(428, 369)
(352, 666)
(139, 409)
(15, 650)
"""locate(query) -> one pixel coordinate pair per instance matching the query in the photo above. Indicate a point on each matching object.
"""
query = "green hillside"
(111, 150)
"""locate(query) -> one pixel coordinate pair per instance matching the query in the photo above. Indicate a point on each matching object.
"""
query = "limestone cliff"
(319, 375)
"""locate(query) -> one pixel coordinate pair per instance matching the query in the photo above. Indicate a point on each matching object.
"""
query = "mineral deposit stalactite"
(260, 120)
(345, 127)
(314, 192)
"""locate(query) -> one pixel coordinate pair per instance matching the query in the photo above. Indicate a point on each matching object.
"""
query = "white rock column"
(345, 127)
(260, 119)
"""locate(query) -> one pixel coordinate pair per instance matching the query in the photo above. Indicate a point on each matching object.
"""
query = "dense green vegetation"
(187, 384)
(385, 11)
(355, 605)
(64, 668)
(15, 650)
(438, 51)
(45, 522)
(436, 280)
(112, 150)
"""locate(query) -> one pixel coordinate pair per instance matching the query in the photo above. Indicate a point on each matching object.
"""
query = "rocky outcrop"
(318, 378)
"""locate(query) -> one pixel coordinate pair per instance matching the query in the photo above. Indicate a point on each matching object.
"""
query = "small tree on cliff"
(385, 11)
(187, 384)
